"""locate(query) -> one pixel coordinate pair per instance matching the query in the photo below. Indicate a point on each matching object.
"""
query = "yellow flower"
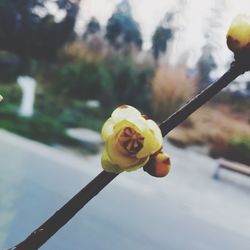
(238, 35)
(129, 140)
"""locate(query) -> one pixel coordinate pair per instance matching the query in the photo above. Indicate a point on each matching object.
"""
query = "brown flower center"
(131, 140)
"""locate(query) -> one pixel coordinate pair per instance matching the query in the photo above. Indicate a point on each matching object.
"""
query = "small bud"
(238, 35)
(159, 165)
(1, 98)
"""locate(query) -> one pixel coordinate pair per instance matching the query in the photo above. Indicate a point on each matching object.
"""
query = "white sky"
(193, 18)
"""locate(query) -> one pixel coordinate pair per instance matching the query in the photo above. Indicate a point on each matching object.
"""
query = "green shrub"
(131, 82)
(239, 150)
(84, 80)
(42, 129)
(113, 81)
(11, 93)
(78, 114)
(9, 67)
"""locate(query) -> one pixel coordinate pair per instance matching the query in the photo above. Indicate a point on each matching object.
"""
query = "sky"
(194, 18)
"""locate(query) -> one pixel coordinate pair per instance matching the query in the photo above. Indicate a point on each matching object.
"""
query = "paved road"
(186, 211)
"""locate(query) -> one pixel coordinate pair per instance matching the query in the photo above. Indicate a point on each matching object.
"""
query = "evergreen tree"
(28, 29)
(205, 65)
(122, 30)
(162, 35)
(93, 27)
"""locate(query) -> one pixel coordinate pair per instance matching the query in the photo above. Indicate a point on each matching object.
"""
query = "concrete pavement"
(188, 210)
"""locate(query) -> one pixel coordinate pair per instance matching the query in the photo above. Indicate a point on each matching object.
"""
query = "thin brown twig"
(39, 236)
(196, 102)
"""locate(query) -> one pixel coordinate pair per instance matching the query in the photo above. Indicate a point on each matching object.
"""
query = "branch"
(184, 112)
(63, 215)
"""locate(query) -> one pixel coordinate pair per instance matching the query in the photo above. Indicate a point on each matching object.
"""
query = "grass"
(171, 87)
(52, 116)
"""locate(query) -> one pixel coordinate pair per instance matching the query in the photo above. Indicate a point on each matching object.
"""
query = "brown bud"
(158, 165)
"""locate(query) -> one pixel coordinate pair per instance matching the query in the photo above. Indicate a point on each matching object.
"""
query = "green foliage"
(159, 41)
(84, 80)
(62, 104)
(93, 27)
(78, 114)
(52, 116)
(11, 93)
(112, 81)
(205, 65)
(239, 150)
(9, 67)
(24, 31)
(163, 33)
(122, 29)
(131, 82)
(41, 128)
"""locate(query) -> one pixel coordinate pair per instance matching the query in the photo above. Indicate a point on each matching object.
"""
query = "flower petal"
(137, 123)
(155, 129)
(153, 140)
(117, 156)
(107, 129)
(125, 112)
(141, 164)
(108, 166)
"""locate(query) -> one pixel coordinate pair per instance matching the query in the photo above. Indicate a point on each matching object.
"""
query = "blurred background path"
(188, 210)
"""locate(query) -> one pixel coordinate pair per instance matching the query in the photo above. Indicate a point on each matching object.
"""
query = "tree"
(93, 27)
(162, 35)
(160, 38)
(122, 30)
(205, 65)
(213, 34)
(28, 28)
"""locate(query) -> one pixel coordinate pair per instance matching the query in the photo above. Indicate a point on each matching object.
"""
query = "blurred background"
(65, 65)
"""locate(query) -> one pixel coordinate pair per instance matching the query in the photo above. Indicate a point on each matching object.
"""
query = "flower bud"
(238, 35)
(158, 165)
(1, 98)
